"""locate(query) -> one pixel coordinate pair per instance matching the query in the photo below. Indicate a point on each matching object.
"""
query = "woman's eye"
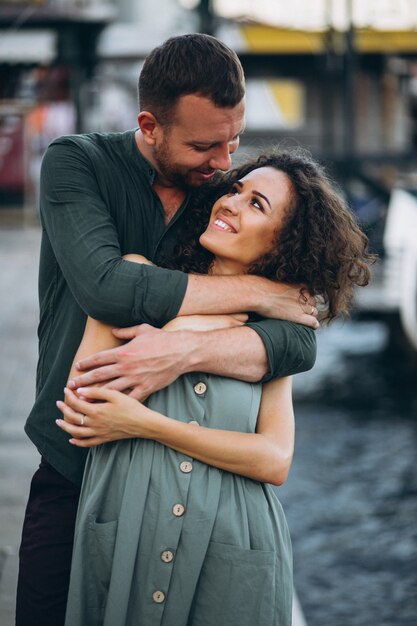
(257, 204)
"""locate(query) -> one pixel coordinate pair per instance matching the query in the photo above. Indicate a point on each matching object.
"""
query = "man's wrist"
(192, 346)
(256, 291)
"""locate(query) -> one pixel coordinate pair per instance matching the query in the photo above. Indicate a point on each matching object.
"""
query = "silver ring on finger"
(82, 420)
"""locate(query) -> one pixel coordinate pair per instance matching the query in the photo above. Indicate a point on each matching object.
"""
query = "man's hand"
(287, 302)
(152, 360)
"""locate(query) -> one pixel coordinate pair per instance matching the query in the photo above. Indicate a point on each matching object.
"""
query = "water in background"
(351, 498)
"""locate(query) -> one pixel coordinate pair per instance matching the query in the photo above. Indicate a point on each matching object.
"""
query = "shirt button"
(200, 388)
(178, 510)
(158, 596)
(186, 467)
(167, 556)
(194, 422)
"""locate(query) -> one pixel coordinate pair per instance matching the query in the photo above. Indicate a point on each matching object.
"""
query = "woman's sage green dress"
(164, 540)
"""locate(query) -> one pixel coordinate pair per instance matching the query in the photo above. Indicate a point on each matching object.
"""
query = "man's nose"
(220, 159)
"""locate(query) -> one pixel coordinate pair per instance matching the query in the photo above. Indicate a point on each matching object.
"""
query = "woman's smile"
(221, 223)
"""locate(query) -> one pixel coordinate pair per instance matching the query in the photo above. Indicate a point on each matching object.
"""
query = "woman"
(177, 523)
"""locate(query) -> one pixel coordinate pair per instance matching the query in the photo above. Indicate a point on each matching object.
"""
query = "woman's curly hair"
(319, 245)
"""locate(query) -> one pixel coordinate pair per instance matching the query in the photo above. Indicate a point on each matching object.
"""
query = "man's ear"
(149, 127)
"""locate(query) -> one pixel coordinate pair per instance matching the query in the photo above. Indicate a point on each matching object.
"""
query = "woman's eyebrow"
(261, 195)
(256, 193)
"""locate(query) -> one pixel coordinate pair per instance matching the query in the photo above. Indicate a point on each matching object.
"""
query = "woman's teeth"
(223, 225)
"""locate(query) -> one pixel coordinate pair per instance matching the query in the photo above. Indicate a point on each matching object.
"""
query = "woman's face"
(244, 223)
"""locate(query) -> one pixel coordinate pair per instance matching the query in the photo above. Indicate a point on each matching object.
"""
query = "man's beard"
(181, 179)
(164, 164)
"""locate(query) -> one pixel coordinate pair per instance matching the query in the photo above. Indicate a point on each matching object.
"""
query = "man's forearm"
(233, 352)
(211, 295)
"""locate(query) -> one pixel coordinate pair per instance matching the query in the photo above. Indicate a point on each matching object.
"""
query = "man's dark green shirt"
(97, 204)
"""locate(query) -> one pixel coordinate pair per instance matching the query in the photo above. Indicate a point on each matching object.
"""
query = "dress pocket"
(236, 586)
(101, 542)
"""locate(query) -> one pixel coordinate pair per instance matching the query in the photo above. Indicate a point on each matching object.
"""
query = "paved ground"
(18, 458)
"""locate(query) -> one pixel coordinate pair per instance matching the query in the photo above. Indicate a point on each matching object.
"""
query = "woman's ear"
(148, 125)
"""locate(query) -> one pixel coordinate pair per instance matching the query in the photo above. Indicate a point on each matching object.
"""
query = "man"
(103, 196)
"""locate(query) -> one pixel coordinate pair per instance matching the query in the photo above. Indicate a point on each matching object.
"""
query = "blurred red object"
(11, 152)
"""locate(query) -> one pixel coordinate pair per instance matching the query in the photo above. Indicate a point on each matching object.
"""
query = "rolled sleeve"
(291, 348)
(159, 295)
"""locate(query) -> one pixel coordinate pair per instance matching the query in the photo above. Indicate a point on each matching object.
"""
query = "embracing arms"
(264, 456)
(84, 232)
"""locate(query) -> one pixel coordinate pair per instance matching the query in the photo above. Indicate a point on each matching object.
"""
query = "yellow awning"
(269, 39)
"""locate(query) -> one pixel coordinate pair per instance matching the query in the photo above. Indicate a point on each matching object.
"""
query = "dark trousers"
(46, 549)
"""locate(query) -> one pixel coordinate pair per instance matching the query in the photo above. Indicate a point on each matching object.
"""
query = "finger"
(106, 357)
(139, 394)
(96, 393)
(311, 321)
(132, 331)
(309, 309)
(77, 403)
(99, 375)
(125, 333)
(120, 384)
(86, 443)
(79, 432)
(69, 414)
(241, 317)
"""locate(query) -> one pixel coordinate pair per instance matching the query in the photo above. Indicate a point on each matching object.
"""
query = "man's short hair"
(190, 64)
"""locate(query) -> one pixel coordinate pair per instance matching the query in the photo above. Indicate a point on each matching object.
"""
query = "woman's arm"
(98, 335)
(265, 455)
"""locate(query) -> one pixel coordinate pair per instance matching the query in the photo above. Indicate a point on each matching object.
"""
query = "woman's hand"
(111, 417)
(206, 322)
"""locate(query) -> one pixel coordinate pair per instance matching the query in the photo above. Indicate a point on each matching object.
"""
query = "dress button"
(178, 510)
(158, 596)
(186, 467)
(194, 422)
(200, 388)
(167, 556)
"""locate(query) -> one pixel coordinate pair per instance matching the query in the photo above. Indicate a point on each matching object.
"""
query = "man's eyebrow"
(214, 143)
(203, 143)
(256, 193)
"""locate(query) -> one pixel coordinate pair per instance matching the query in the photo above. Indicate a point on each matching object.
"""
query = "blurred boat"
(394, 290)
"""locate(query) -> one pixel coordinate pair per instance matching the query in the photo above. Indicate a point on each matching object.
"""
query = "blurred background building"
(340, 78)
(336, 76)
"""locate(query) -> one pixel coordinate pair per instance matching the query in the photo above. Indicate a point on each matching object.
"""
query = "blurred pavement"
(19, 250)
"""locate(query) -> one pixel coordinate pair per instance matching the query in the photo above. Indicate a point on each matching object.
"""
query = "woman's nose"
(231, 204)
